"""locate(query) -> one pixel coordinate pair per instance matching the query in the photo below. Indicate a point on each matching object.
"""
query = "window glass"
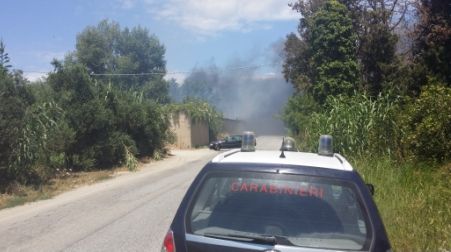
(308, 212)
(236, 138)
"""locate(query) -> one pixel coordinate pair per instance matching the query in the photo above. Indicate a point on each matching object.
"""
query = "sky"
(227, 33)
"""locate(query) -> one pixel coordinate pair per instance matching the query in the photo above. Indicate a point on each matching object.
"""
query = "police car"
(247, 200)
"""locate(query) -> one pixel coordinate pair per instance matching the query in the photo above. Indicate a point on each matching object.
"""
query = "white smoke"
(243, 90)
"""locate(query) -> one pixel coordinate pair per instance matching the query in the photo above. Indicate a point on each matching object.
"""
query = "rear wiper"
(266, 239)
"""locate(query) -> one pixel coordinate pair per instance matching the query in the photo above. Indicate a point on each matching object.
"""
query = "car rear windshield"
(306, 211)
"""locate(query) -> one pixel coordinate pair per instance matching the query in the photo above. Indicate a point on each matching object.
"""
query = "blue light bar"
(248, 141)
(325, 145)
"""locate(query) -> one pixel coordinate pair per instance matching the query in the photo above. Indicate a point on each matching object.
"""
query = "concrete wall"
(189, 134)
(199, 133)
(181, 127)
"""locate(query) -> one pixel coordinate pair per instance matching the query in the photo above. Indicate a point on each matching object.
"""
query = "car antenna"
(282, 155)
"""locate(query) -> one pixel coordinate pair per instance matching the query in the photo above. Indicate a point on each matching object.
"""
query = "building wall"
(181, 127)
(189, 134)
(199, 133)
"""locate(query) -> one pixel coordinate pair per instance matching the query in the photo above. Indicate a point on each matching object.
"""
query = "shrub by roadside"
(427, 124)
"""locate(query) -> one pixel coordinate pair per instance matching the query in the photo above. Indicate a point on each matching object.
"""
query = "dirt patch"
(64, 182)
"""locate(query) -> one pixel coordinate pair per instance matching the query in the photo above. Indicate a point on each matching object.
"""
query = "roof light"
(248, 141)
(325, 145)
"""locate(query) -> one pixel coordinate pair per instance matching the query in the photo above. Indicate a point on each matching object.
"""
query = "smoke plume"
(243, 90)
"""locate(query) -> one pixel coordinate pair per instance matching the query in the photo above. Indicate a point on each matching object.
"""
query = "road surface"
(131, 212)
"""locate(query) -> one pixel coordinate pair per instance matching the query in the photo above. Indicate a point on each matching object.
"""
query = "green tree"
(333, 44)
(322, 61)
(95, 47)
(296, 67)
(140, 52)
(134, 53)
(432, 47)
(297, 48)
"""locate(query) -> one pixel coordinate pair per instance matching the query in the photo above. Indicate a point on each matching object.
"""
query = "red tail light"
(168, 243)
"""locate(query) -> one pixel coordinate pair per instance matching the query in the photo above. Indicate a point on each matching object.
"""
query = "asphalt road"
(131, 212)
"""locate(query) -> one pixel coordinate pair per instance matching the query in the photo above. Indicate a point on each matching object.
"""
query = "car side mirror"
(371, 188)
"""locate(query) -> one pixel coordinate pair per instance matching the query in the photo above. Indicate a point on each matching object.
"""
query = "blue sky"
(194, 32)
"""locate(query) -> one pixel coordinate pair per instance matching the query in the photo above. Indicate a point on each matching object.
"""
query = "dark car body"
(187, 237)
(229, 142)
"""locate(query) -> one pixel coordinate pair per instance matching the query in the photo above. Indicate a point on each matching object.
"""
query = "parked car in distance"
(279, 200)
(229, 142)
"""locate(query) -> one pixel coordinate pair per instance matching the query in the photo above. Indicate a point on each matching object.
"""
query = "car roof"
(335, 161)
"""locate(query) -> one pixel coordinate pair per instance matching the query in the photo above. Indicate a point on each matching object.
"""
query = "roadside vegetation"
(380, 85)
(85, 119)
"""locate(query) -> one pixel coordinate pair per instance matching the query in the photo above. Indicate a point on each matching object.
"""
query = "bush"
(427, 123)
(109, 123)
(297, 112)
(14, 100)
(142, 119)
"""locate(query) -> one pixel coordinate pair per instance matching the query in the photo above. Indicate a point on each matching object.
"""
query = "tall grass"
(414, 201)
(361, 126)
(40, 147)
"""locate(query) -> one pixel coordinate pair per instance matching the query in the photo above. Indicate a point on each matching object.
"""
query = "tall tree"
(95, 47)
(321, 61)
(333, 45)
(135, 53)
(297, 48)
(377, 48)
(433, 38)
(373, 21)
(296, 66)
